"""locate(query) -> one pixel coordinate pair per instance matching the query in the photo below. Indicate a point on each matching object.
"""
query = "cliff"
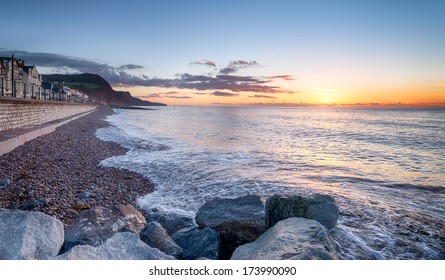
(99, 89)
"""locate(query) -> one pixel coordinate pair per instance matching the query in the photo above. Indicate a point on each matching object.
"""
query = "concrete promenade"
(11, 139)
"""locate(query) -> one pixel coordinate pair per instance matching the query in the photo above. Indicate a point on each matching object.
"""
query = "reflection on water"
(383, 166)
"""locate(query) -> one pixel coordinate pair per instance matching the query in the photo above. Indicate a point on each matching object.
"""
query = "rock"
(156, 236)
(29, 235)
(321, 208)
(122, 246)
(442, 231)
(239, 221)
(95, 225)
(4, 183)
(86, 195)
(36, 203)
(290, 239)
(199, 243)
(171, 221)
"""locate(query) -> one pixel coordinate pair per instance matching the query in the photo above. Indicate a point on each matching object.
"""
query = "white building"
(31, 82)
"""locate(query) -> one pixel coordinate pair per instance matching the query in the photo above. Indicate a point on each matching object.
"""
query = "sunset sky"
(239, 52)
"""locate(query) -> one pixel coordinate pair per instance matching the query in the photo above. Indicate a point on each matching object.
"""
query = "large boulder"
(321, 208)
(156, 236)
(95, 225)
(239, 221)
(199, 243)
(122, 246)
(290, 239)
(171, 221)
(29, 235)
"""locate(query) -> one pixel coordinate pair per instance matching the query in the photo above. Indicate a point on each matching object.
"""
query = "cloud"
(236, 65)
(130, 67)
(262, 96)
(283, 77)
(170, 94)
(153, 95)
(68, 64)
(180, 97)
(204, 62)
(224, 94)
(222, 82)
(226, 82)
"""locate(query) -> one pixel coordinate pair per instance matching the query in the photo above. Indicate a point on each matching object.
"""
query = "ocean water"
(385, 167)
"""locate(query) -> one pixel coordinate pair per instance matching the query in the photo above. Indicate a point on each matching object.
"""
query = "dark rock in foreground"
(156, 236)
(199, 243)
(29, 235)
(171, 221)
(122, 246)
(94, 226)
(290, 239)
(321, 208)
(239, 220)
(4, 183)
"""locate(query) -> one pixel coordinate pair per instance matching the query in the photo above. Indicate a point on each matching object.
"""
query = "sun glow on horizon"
(315, 96)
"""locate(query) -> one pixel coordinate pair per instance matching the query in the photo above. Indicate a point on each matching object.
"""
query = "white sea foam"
(382, 166)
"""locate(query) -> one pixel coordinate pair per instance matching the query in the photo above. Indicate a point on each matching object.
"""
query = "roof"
(26, 68)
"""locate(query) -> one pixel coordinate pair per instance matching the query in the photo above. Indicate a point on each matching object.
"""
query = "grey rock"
(95, 225)
(156, 236)
(239, 221)
(321, 208)
(35, 203)
(122, 246)
(199, 243)
(290, 239)
(86, 195)
(4, 183)
(29, 235)
(171, 221)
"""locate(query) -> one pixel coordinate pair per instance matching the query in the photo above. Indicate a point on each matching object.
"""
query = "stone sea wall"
(29, 113)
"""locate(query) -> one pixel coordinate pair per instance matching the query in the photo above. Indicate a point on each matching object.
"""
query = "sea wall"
(25, 113)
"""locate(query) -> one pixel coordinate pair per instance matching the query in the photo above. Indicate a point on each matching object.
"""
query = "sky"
(239, 52)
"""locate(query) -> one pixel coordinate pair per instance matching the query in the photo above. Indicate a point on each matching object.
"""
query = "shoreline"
(59, 173)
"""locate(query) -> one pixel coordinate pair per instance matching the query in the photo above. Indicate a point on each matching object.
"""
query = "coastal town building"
(32, 82)
(24, 81)
(47, 89)
(11, 77)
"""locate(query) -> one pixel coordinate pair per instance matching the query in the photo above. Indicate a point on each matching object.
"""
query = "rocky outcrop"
(94, 226)
(122, 232)
(122, 246)
(156, 236)
(290, 239)
(239, 220)
(29, 235)
(199, 243)
(321, 208)
(171, 221)
(98, 89)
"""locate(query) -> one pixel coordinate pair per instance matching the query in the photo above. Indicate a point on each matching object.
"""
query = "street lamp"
(3, 85)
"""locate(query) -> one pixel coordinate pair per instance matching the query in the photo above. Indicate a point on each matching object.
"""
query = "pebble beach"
(59, 173)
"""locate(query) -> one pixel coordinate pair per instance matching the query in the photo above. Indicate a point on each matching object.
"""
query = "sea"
(385, 167)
